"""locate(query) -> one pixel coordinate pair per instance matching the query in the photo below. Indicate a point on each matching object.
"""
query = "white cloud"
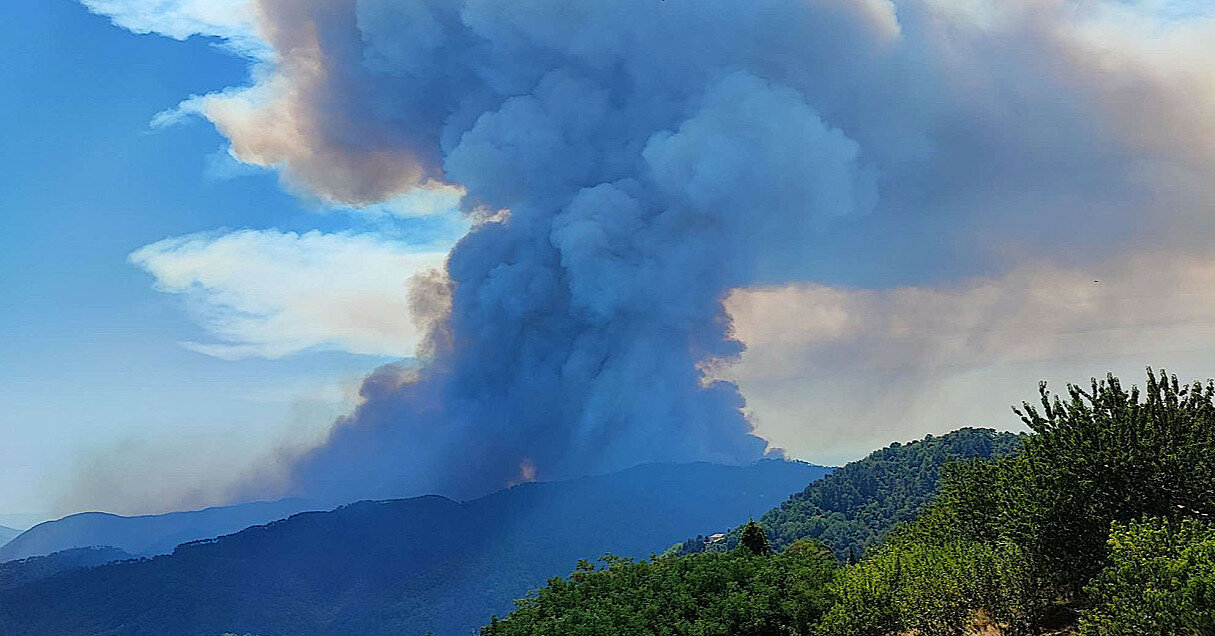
(429, 199)
(233, 20)
(831, 373)
(265, 293)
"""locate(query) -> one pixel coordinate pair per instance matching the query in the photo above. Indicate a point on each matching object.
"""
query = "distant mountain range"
(146, 535)
(7, 534)
(400, 567)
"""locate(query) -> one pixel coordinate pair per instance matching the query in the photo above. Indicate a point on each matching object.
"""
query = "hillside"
(398, 567)
(145, 535)
(7, 534)
(23, 571)
(851, 509)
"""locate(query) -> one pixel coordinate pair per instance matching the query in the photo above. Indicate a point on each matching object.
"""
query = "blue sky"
(209, 240)
(93, 350)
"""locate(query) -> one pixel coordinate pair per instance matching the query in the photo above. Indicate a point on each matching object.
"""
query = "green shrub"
(735, 593)
(1104, 455)
(1160, 582)
(917, 583)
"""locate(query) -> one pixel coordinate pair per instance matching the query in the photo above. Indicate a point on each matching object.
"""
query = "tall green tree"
(1101, 455)
(754, 540)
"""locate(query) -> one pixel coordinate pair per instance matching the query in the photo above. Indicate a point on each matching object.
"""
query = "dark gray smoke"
(634, 160)
(648, 158)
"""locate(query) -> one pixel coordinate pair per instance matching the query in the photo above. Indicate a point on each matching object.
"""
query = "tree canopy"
(1099, 521)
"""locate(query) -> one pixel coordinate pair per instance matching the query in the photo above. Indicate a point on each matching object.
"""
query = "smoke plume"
(629, 163)
(643, 166)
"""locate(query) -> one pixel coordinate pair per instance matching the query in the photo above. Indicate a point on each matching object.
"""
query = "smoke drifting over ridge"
(648, 157)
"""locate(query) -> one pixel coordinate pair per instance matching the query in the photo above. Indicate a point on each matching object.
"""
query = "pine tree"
(754, 539)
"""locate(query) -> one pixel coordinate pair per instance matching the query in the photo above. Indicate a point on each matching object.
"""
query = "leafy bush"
(1106, 455)
(1160, 582)
(926, 581)
(1014, 537)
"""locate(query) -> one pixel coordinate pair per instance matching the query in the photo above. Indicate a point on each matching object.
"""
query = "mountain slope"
(24, 571)
(853, 507)
(145, 535)
(7, 534)
(398, 567)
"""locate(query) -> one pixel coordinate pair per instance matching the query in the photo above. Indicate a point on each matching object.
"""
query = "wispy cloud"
(267, 293)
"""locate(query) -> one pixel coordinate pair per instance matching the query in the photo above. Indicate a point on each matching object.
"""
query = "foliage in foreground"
(705, 594)
(1161, 581)
(933, 588)
(1014, 539)
(1104, 455)
(1013, 543)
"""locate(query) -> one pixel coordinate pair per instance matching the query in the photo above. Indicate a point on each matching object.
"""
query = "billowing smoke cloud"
(834, 372)
(640, 182)
(631, 162)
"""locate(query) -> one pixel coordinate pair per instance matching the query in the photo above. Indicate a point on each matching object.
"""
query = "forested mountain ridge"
(853, 507)
(399, 567)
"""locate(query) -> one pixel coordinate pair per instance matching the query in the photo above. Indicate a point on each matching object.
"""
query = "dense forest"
(851, 508)
(1098, 523)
